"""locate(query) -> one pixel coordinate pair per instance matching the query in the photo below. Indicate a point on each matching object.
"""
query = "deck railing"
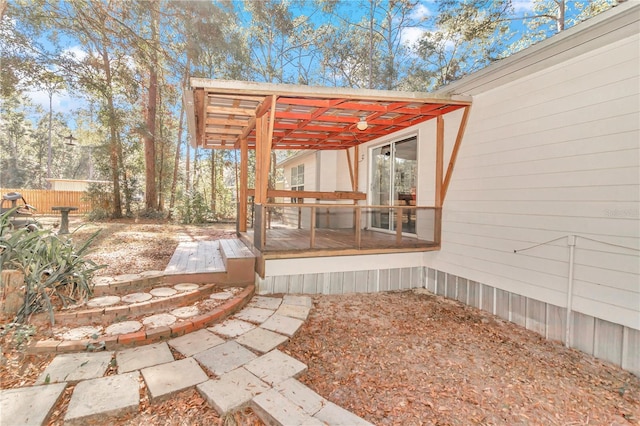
(320, 226)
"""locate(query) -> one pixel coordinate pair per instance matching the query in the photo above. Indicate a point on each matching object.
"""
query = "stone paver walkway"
(233, 364)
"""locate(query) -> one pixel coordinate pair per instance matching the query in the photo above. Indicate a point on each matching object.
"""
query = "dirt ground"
(399, 358)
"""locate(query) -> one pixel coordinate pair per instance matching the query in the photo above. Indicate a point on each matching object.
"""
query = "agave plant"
(55, 272)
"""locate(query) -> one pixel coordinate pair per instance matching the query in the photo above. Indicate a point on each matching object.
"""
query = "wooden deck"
(195, 257)
(296, 243)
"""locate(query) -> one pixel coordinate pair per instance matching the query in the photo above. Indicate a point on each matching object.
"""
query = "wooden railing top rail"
(318, 195)
(348, 206)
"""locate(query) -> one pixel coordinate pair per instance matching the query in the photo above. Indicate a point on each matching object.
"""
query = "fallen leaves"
(407, 359)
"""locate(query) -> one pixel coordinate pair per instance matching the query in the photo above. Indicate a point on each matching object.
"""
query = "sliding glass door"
(393, 176)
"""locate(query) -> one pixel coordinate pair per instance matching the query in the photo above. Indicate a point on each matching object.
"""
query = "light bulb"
(362, 124)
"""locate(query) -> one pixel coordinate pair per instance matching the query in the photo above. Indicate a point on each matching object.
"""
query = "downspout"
(571, 241)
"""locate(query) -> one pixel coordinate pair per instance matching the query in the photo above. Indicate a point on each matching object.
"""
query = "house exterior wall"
(548, 156)
(72, 184)
(549, 165)
(290, 215)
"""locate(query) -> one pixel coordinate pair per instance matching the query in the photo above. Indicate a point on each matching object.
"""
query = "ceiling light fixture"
(362, 124)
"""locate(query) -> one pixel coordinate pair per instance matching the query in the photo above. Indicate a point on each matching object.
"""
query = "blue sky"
(64, 102)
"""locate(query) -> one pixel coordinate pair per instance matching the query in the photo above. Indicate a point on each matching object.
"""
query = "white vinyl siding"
(553, 154)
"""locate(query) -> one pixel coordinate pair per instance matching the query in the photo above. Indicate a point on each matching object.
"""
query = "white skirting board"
(611, 342)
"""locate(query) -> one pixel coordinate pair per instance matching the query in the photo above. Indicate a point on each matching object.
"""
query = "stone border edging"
(123, 284)
(110, 314)
(145, 337)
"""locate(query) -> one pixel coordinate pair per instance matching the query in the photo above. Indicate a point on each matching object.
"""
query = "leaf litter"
(397, 358)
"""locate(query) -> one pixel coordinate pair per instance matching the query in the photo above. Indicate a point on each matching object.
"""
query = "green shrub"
(100, 196)
(193, 208)
(56, 273)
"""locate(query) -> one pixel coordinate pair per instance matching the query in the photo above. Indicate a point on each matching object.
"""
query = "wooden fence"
(44, 199)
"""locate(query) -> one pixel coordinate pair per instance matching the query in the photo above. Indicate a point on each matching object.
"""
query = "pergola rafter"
(243, 115)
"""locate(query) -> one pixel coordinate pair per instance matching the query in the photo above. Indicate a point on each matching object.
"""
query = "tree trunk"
(176, 161)
(163, 147)
(49, 156)
(213, 181)
(561, 11)
(125, 180)
(113, 140)
(151, 196)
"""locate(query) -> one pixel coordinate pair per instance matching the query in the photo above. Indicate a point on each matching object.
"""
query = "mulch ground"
(400, 358)
(412, 358)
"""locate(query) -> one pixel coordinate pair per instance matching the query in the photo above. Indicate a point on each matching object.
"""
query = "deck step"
(201, 260)
(239, 260)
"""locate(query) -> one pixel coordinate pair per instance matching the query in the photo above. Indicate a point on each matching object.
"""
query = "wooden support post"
(260, 192)
(356, 154)
(358, 220)
(353, 182)
(439, 159)
(244, 182)
(437, 226)
(312, 238)
(439, 172)
(399, 213)
(264, 140)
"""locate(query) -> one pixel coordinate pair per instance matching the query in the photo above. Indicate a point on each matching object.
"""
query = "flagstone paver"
(294, 311)
(241, 377)
(166, 379)
(256, 315)
(143, 356)
(137, 297)
(335, 415)
(159, 320)
(232, 390)
(301, 395)
(186, 286)
(105, 396)
(123, 327)
(30, 405)
(292, 299)
(196, 342)
(75, 367)
(261, 340)
(185, 312)
(224, 358)
(283, 325)
(265, 302)
(275, 367)
(278, 410)
(221, 295)
(99, 302)
(79, 333)
(163, 291)
(231, 328)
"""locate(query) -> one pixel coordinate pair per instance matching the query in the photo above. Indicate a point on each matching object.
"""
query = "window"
(297, 181)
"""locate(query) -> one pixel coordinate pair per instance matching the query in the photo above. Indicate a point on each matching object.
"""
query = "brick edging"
(110, 314)
(145, 337)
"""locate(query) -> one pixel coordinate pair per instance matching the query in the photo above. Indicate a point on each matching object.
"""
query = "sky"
(65, 103)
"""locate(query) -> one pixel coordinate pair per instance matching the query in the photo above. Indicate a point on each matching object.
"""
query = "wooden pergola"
(246, 115)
